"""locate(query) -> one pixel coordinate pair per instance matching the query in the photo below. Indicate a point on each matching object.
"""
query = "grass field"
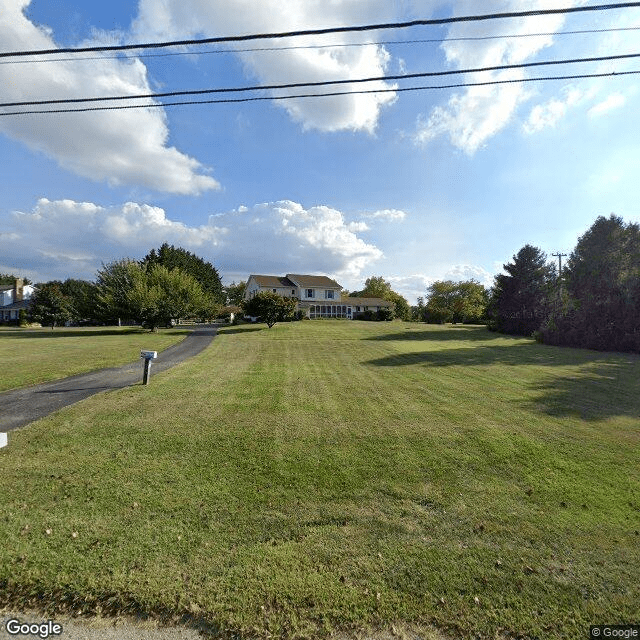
(340, 475)
(31, 356)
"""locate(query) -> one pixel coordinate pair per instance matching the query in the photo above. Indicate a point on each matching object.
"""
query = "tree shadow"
(224, 331)
(603, 385)
(478, 355)
(602, 390)
(451, 332)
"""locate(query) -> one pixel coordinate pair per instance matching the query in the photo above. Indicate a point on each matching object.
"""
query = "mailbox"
(148, 357)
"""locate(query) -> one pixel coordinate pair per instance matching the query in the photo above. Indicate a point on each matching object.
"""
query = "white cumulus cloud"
(471, 118)
(172, 19)
(128, 147)
(64, 238)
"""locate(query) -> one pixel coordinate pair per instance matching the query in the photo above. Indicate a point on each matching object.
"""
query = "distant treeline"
(595, 301)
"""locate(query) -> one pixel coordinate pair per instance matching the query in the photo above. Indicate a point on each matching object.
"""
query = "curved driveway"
(22, 406)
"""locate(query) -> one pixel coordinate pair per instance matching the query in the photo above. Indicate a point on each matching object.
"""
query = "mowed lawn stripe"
(333, 474)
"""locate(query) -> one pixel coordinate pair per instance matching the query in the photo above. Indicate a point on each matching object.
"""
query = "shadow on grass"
(451, 332)
(477, 355)
(599, 391)
(604, 384)
(227, 332)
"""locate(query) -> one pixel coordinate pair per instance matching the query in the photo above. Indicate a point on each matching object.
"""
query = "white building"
(14, 297)
(317, 296)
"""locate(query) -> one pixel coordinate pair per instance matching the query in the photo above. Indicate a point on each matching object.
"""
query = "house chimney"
(18, 290)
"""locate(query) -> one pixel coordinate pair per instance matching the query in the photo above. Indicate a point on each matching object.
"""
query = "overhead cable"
(298, 85)
(326, 95)
(311, 32)
(339, 45)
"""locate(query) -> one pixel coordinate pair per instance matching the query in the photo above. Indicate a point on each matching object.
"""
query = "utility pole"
(559, 256)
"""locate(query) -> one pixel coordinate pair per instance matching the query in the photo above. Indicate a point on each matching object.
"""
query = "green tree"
(520, 300)
(49, 306)
(456, 302)
(235, 293)
(419, 311)
(602, 279)
(84, 299)
(6, 278)
(270, 308)
(204, 272)
(378, 287)
(113, 283)
(152, 295)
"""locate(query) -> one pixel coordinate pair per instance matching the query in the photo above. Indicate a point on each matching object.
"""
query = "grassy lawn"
(31, 356)
(338, 475)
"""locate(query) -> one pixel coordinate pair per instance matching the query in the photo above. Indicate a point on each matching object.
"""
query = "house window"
(293, 292)
(357, 308)
(310, 293)
(328, 294)
(274, 291)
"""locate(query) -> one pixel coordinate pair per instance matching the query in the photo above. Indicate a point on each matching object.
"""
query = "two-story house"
(14, 297)
(317, 296)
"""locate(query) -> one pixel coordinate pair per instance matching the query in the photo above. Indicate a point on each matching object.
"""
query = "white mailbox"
(3, 439)
(149, 355)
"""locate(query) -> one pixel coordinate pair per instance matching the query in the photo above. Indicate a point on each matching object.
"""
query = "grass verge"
(333, 475)
(32, 356)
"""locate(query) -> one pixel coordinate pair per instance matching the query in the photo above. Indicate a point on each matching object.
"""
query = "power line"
(310, 32)
(325, 95)
(298, 85)
(334, 46)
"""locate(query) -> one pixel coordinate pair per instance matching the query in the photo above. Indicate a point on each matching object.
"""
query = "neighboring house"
(317, 296)
(14, 297)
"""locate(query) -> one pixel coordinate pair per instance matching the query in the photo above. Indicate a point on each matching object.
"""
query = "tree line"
(593, 303)
(167, 285)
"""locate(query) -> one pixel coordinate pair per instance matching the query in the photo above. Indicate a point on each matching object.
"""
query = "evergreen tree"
(520, 300)
(602, 279)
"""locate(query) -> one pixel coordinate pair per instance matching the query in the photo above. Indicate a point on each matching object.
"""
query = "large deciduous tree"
(235, 293)
(520, 299)
(152, 295)
(378, 287)
(49, 305)
(270, 308)
(450, 301)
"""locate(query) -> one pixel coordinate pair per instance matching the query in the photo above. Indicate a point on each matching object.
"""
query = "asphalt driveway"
(22, 406)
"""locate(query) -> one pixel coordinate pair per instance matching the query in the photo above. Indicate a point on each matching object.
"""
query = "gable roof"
(305, 281)
(272, 281)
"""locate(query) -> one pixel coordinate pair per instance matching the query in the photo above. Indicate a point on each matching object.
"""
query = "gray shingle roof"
(306, 281)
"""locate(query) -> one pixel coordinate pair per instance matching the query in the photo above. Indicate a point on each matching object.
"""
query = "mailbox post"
(148, 357)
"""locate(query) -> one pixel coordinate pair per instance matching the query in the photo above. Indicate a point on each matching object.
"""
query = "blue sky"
(414, 186)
